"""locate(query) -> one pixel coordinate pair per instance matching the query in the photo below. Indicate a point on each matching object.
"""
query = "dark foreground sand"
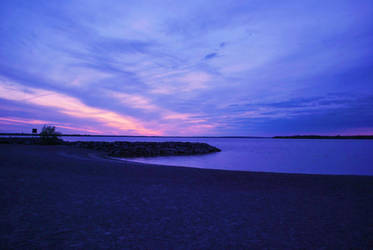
(65, 197)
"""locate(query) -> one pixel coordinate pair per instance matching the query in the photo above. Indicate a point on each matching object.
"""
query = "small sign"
(34, 131)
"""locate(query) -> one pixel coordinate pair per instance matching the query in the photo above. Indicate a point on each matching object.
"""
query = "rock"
(129, 149)
(147, 149)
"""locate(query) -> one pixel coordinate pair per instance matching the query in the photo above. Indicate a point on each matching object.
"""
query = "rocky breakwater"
(147, 149)
(124, 148)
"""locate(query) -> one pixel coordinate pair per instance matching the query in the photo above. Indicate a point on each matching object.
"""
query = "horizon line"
(179, 136)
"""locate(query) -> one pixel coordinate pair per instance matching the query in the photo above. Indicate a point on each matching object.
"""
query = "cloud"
(168, 120)
(72, 107)
(210, 56)
(117, 45)
(194, 80)
(134, 101)
(15, 120)
(183, 82)
(181, 68)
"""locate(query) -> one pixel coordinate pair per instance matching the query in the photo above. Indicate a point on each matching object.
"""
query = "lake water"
(352, 157)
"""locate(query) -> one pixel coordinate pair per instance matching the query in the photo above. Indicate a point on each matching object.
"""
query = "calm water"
(269, 155)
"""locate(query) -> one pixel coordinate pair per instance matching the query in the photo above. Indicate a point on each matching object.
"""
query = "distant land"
(252, 137)
(325, 137)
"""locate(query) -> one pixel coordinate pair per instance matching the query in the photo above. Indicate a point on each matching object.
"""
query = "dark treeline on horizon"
(325, 137)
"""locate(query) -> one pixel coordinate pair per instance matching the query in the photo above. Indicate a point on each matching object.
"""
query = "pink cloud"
(74, 107)
(13, 120)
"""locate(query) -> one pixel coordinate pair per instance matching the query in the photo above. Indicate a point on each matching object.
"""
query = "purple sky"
(187, 67)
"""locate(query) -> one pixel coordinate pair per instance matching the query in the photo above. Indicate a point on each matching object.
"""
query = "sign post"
(34, 132)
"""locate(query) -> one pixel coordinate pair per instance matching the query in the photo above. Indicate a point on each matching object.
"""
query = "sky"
(187, 68)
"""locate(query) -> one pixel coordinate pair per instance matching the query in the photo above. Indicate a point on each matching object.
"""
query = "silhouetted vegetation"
(49, 135)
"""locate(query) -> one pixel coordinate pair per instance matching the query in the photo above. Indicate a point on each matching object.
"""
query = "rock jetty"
(129, 149)
(146, 149)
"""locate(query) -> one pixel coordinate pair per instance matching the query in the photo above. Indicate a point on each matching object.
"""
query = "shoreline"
(129, 160)
(60, 196)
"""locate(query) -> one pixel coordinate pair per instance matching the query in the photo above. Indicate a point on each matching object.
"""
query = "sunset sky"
(214, 68)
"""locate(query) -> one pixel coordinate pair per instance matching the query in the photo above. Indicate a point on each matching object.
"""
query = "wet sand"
(66, 197)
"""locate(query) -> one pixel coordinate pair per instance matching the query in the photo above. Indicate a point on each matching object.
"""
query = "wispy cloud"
(239, 68)
(210, 56)
(72, 107)
(13, 120)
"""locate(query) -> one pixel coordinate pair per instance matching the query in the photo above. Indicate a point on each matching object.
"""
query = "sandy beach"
(65, 197)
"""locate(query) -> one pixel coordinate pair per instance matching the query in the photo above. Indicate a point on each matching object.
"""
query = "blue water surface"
(346, 157)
